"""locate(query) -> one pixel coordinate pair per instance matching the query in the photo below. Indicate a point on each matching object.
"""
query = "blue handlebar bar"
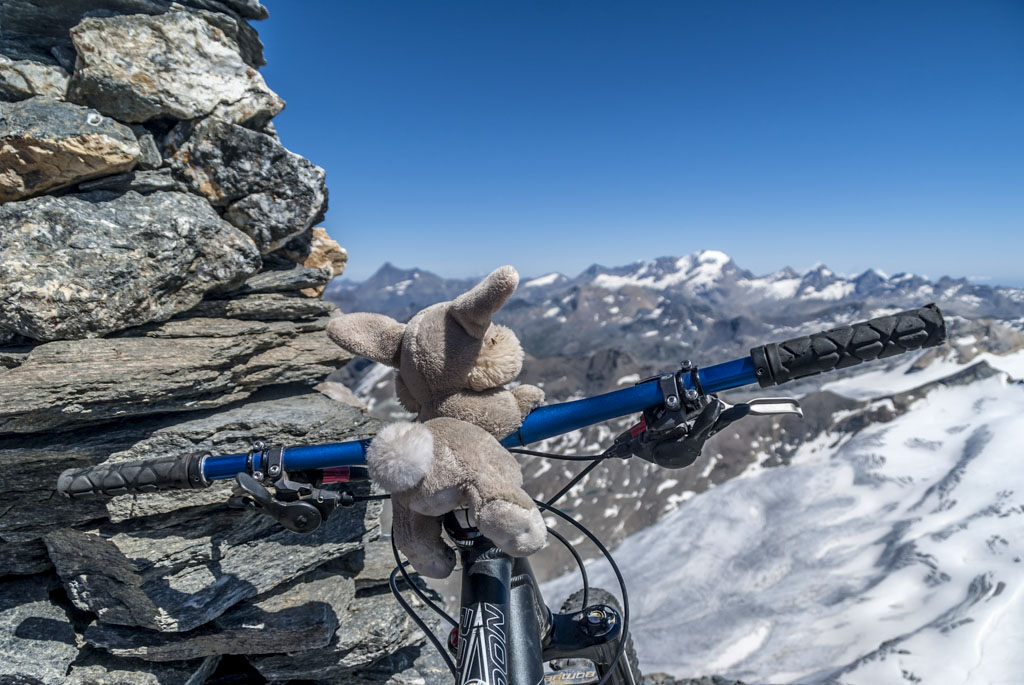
(543, 422)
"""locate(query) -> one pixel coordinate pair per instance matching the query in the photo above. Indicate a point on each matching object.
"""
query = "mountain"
(893, 553)
(609, 327)
(877, 539)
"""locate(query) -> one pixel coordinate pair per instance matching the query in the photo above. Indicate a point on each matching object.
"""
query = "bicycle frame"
(506, 632)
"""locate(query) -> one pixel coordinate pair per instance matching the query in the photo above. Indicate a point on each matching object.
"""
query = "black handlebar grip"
(846, 346)
(108, 480)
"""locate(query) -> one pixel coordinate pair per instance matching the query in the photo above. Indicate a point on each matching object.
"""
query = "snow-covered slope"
(893, 554)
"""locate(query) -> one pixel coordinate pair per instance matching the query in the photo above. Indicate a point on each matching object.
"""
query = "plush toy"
(452, 364)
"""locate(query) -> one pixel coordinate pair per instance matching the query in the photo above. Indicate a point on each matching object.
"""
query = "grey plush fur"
(452, 365)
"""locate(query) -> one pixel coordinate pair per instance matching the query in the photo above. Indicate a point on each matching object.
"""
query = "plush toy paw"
(517, 530)
(528, 397)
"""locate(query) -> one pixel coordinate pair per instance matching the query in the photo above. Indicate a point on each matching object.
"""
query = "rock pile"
(160, 281)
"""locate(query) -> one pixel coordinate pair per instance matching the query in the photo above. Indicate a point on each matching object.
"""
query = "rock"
(301, 616)
(38, 30)
(371, 566)
(334, 388)
(268, 192)
(74, 268)
(21, 79)
(283, 277)
(315, 249)
(265, 307)
(169, 574)
(29, 465)
(149, 156)
(416, 665)
(37, 640)
(374, 628)
(177, 65)
(142, 182)
(47, 144)
(96, 667)
(23, 558)
(184, 365)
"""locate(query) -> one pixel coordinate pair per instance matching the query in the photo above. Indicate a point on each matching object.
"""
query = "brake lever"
(299, 516)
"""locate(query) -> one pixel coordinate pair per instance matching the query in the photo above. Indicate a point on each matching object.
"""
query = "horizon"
(524, 276)
(556, 135)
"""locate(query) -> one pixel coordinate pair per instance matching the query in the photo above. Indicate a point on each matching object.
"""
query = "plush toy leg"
(515, 529)
(419, 538)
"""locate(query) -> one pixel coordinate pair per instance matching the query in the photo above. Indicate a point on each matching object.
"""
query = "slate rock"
(303, 615)
(268, 192)
(283, 277)
(149, 153)
(168, 574)
(178, 65)
(315, 249)
(37, 640)
(21, 79)
(96, 667)
(374, 628)
(47, 144)
(29, 465)
(23, 558)
(179, 366)
(141, 182)
(264, 307)
(38, 30)
(74, 268)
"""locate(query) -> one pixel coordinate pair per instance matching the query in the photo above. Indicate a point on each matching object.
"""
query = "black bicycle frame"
(506, 632)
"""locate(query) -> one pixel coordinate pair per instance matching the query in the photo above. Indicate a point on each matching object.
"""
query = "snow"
(551, 312)
(697, 271)
(628, 379)
(543, 280)
(773, 287)
(832, 291)
(896, 555)
(878, 381)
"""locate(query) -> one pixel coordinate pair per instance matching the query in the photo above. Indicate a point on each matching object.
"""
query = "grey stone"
(172, 370)
(23, 558)
(96, 667)
(177, 65)
(29, 465)
(38, 29)
(265, 307)
(37, 640)
(142, 182)
(375, 627)
(372, 566)
(286, 277)
(416, 665)
(73, 268)
(47, 144)
(302, 616)
(175, 575)
(21, 79)
(268, 192)
(13, 356)
(149, 154)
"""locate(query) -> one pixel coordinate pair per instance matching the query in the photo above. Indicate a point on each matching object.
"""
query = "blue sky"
(552, 135)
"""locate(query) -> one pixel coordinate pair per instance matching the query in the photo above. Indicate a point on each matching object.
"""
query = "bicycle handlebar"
(767, 365)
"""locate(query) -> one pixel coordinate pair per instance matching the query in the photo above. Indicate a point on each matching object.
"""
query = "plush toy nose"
(473, 309)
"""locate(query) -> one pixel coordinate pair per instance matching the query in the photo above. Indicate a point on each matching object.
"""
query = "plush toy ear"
(473, 309)
(373, 336)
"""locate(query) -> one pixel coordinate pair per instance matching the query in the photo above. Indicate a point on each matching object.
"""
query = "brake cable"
(618, 576)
